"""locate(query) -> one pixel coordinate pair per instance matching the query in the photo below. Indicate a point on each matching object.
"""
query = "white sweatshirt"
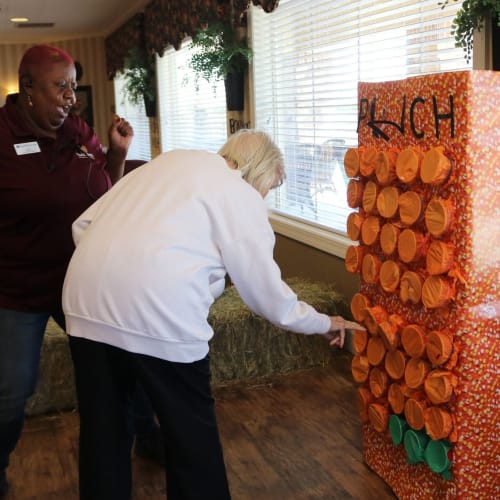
(152, 254)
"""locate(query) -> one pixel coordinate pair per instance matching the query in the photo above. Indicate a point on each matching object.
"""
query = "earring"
(30, 102)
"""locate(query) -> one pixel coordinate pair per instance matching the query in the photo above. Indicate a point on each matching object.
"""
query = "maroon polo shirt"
(44, 185)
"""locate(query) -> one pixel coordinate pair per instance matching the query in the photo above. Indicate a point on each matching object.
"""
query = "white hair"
(255, 154)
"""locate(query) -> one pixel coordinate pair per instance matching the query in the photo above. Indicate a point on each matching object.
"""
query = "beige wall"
(298, 259)
(90, 53)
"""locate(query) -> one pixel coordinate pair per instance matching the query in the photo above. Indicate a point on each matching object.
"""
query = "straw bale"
(55, 389)
(245, 346)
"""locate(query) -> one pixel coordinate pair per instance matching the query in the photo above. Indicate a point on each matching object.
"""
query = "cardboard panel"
(451, 123)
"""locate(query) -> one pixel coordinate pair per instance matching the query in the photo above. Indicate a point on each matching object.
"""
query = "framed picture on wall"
(83, 104)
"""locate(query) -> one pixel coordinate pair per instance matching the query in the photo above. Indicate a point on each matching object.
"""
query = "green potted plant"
(140, 81)
(219, 53)
(470, 17)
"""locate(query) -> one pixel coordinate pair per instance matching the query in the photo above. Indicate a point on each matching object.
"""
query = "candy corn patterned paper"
(425, 180)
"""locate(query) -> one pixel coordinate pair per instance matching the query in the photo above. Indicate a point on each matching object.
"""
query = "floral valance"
(166, 23)
(267, 5)
(119, 43)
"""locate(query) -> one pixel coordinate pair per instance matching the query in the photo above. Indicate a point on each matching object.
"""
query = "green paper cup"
(397, 428)
(436, 456)
(415, 443)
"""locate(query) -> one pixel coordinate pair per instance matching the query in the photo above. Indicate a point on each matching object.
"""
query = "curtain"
(119, 43)
(167, 23)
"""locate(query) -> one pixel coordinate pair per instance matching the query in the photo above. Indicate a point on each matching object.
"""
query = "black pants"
(180, 393)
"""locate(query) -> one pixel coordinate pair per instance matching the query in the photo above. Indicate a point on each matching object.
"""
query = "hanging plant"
(140, 84)
(218, 53)
(470, 17)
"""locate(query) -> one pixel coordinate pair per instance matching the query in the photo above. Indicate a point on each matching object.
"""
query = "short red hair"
(40, 56)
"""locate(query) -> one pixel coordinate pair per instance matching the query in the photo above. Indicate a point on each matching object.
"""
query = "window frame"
(328, 240)
(122, 106)
(176, 138)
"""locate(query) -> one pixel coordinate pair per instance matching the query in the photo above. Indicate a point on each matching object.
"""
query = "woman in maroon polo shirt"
(52, 167)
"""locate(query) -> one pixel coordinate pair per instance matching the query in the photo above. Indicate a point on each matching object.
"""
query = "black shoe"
(4, 485)
(150, 446)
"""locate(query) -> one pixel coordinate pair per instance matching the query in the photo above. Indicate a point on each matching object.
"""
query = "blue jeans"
(21, 336)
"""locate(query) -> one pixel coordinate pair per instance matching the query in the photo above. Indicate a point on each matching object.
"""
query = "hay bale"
(246, 346)
(55, 389)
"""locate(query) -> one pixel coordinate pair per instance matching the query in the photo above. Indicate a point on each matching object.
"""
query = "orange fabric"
(370, 268)
(453, 360)
(375, 350)
(354, 193)
(411, 245)
(374, 316)
(453, 435)
(359, 304)
(351, 162)
(410, 208)
(367, 161)
(387, 202)
(385, 166)
(397, 395)
(390, 274)
(363, 398)
(360, 340)
(354, 223)
(354, 258)
(389, 235)
(390, 331)
(378, 381)
(439, 258)
(415, 407)
(439, 386)
(438, 422)
(410, 287)
(437, 291)
(408, 164)
(413, 339)
(395, 364)
(439, 346)
(416, 371)
(436, 167)
(360, 368)
(398, 320)
(379, 416)
(370, 230)
(369, 198)
(438, 216)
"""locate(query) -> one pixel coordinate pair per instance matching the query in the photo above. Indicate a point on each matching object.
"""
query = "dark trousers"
(181, 397)
(142, 415)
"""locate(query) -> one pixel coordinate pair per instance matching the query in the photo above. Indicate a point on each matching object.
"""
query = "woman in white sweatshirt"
(151, 257)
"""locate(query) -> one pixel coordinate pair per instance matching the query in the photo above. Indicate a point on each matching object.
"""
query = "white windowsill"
(315, 236)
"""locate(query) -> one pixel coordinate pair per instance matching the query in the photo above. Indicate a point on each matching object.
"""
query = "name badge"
(26, 148)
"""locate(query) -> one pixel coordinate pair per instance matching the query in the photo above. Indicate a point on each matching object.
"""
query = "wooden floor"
(295, 437)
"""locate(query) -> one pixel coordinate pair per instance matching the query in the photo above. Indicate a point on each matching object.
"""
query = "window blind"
(192, 112)
(306, 67)
(135, 114)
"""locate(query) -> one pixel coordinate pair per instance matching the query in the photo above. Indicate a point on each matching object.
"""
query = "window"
(135, 114)
(306, 68)
(192, 112)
